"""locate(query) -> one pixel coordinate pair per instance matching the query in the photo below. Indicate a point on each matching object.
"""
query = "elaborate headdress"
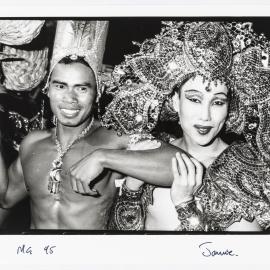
(19, 32)
(230, 52)
(23, 69)
(26, 70)
(180, 51)
(80, 39)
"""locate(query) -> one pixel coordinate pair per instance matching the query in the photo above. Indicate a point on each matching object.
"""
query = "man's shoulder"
(33, 138)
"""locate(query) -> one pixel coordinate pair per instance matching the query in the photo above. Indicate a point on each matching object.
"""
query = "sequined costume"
(234, 188)
(236, 184)
(130, 208)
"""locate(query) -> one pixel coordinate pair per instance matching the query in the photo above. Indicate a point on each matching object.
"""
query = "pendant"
(55, 177)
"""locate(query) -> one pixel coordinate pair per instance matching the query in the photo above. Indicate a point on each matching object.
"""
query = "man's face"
(72, 93)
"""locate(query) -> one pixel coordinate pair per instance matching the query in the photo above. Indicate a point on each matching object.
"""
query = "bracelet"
(131, 194)
(190, 217)
(128, 211)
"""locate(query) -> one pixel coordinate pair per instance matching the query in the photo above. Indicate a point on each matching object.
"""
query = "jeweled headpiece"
(180, 51)
(80, 39)
(183, 50)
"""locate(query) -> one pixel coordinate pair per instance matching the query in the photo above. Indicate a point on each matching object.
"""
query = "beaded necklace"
(54, 174)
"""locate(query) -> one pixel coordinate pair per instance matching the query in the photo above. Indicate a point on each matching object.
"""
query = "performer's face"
(72, 93)
(202, 113)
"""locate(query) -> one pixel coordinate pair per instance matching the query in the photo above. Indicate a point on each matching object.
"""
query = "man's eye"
(59, 86)
(82, 89)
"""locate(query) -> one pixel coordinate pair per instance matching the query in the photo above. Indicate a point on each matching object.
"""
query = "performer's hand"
(187, 173)
(84, 172)
(133, 183)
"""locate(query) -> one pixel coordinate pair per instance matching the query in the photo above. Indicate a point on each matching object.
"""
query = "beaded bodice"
(236, 187)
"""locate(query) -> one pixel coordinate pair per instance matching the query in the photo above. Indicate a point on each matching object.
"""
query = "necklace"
(54, 174)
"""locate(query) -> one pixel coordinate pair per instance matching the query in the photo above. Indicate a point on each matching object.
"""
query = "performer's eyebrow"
(83, 84)
(221, 93)
(193, 91)
(56, 81)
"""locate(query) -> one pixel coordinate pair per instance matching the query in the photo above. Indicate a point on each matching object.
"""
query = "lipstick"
(203, 130)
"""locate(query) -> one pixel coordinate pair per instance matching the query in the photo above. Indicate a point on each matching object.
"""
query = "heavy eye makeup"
(220, 101)
(193, 97)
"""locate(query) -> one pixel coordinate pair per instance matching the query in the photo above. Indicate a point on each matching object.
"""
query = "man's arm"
(152, 166)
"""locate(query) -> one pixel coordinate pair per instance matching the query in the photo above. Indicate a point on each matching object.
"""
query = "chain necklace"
(54, 174)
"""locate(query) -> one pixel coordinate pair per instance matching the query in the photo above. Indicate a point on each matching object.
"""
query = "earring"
(179, 121)
(44, 90)
(54, 120)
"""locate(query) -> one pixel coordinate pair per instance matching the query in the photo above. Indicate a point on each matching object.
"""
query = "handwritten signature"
(207, 251)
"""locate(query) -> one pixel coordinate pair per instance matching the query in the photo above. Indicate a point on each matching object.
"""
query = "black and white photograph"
(132, 127)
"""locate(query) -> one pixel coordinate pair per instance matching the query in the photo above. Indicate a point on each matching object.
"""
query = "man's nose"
(70, 96)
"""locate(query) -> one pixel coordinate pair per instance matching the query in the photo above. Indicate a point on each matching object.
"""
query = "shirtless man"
(72, 92)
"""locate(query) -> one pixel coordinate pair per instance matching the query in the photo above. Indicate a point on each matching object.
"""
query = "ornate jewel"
(190, 217)
(81, 39)
(128, 211)
(54, 174)
(134, 109)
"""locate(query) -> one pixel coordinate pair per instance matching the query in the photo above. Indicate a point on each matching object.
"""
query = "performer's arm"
(12, 186)
(151, 166)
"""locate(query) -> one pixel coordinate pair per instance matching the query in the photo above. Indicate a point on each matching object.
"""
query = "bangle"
(190, 217)
(128, 211)
(131, 194)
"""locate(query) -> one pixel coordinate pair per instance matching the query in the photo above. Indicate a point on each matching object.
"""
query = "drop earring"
(54, 120)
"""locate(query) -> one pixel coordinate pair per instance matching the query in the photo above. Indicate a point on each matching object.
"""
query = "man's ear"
(176, 102)
(48, 92)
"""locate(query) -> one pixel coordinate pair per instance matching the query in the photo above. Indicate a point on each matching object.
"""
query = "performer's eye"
(194, 99)
(219, 102)
(82, 89)
(59, 86)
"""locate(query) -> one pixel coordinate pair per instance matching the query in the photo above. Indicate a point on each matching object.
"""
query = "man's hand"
(85, 171)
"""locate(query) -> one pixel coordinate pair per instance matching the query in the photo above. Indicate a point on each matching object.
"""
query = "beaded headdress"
(231, 52)
(80, 39)
(180, 51)
(250, 85)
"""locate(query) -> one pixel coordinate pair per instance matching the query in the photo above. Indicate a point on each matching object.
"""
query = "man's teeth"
(69, 111)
